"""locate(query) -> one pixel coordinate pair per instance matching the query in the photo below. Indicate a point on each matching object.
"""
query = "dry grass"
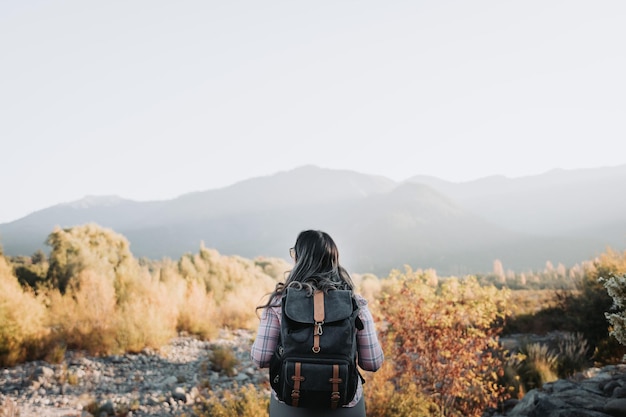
(8, 408)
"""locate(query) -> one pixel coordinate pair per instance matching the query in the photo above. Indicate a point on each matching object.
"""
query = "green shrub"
(588, 310)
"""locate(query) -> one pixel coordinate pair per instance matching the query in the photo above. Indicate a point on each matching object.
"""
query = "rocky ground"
(174, 379)
(167, 382)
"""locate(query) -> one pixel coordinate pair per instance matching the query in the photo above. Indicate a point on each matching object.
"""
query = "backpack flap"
(299, 306)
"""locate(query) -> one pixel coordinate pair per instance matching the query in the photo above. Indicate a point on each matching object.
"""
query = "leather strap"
(297, 378)
(335, 380)
(318, 316)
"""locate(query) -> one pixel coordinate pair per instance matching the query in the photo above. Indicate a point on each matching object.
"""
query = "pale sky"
(152, 99)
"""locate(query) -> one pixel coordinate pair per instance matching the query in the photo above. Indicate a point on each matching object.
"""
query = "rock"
(619, 392)
(590, 394)
(616, 408)
(44, 372)
(610, 386)
(169, 381)
(179, 394)
(527, 404)
(108, 408)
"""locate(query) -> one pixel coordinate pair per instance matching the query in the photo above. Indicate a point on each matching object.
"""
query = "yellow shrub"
(197, 312)
(145, 322)
(246, 401)
(85, 316)
(21, 318)
(237, 310)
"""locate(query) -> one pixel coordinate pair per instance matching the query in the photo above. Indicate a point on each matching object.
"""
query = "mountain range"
(561, 216)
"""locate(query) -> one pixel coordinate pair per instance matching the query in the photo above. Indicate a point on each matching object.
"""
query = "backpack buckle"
(317, 332)
(318, 328)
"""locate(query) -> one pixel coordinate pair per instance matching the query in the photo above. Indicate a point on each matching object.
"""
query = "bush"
(573, 354)
(197, 313)
(246, 401)
(223, 360)
(85, 315)
(385, 396)
(22, 315)
(443, 339)
(537, 365)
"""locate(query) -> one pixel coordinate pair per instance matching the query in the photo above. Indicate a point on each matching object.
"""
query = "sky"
(152, 99)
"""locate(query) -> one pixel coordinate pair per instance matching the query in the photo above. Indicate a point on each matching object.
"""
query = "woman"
(316, 267)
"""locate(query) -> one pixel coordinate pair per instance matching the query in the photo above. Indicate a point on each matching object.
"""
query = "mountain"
(586, 203)
(378, 224)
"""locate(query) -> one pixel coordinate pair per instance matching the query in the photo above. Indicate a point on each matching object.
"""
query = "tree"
(87, 247)
(588, 307)
(498, 271)
(616, 287)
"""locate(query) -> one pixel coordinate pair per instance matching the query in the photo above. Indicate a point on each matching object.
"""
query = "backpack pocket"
(320, 384)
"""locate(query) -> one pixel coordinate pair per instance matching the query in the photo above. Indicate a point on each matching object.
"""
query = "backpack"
(315, 362)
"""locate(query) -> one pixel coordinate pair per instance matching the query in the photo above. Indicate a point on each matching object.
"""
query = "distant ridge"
(569, 203)
(379, 224)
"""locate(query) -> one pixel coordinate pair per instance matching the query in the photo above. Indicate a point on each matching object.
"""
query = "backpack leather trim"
(297, 378)
(335, 380)
(318, 316)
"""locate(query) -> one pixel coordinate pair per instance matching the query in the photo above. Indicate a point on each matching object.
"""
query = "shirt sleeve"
(370, 353)
(266, 338)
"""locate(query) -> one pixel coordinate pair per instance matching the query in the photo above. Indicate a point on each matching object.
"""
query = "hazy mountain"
(586, 203)
(379, 224)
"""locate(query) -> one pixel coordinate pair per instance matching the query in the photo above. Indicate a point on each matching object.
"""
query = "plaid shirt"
(370, 354)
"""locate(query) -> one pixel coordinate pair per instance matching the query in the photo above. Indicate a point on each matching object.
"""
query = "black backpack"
(314, 365)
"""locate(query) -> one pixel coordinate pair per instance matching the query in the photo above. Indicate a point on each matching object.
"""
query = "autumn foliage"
(442, 342)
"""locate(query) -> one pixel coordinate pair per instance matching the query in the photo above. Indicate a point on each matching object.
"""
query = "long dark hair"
(317, 267)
